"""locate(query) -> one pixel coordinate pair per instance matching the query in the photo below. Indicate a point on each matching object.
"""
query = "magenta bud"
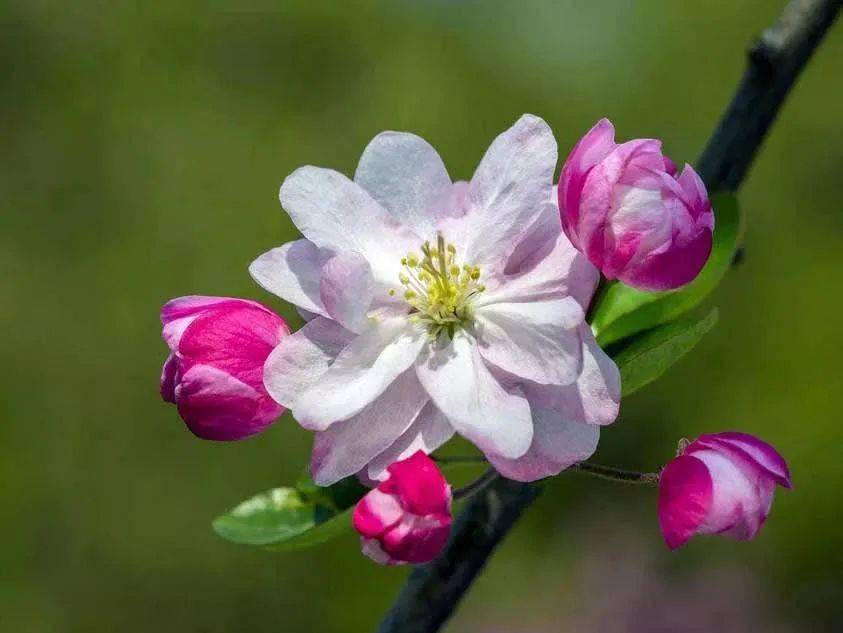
(720, 484)
(214, 373)
(624, 207)
(407, 518)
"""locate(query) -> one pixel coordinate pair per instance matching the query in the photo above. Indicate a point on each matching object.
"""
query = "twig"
(476, 486)
(775, 61)
(616, 474)
(432, 590)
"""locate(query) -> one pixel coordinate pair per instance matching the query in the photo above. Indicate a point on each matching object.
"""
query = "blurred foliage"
(143, 146)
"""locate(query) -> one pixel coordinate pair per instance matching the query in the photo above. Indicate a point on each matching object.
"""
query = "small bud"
(658, 226)
(214, 373)
(720, 484)
(407, 518)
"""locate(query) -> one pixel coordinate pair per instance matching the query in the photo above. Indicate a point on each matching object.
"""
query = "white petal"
(292, 272)
(348, 446)
(557, 444)
(537, 341)
(347, 289)
(335, 213)
(553, 269)
(300, 359)
(596, 395)
(406, 175)
(429, 431)
(360, 373)
(475, 403)
(509, 189)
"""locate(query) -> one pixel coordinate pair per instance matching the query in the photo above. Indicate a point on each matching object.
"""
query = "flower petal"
(360, 373)
(597, 143)
(347, 446)
(347, 289)
(217, 406)
(685, 497)
(537, 341)
(509, 189)
(420, 485)
(236, 339)
(554, 268)
(292, 272)
(429, 431)
(376, 513)
(736, 506)
(557, 444)
(594, 398)
(758, 451)
(405, 174)
(178, 313)
(335, 213)
(300, 359)
(472, 399)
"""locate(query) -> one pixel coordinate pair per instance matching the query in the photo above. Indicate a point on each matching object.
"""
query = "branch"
(433, 590)
(775, 61)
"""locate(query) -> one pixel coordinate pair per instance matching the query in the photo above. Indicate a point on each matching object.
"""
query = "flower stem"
(616, 474)
(596, 470)
(477, 485)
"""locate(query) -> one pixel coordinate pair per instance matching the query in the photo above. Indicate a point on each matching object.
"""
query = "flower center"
(439, 289)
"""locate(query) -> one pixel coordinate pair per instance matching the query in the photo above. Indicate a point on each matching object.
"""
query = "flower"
(624, 207)
(407, 518)
(720, 484)
(214, 373)
(437, 307)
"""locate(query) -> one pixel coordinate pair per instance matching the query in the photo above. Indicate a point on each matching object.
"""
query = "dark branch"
(775, 61)
(433, 590)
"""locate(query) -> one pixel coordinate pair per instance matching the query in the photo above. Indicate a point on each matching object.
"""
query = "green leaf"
(622, 311)
(648, 356)
(292, 517)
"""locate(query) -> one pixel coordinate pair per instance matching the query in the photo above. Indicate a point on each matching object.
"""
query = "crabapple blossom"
(407, 518)
(214, 373)
(438, 307)
(720, 484)
(624, 207)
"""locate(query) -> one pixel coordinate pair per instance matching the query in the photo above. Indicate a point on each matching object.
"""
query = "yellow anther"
(391, 292)
(438, 288)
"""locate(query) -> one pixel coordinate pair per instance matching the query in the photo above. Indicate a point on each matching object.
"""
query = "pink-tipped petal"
(418, 481)
(169, 378)
(376, 513)
(685, 498)
(758, 451)
(592, 148)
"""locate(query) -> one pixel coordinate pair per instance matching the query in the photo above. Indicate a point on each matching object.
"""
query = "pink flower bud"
(720, 484)
(407, 518)
(625, 209)
(214, 373)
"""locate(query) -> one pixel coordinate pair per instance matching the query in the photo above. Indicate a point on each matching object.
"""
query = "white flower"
(438, 307)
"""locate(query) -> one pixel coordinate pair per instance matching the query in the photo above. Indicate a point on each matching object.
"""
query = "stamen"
(438, 289)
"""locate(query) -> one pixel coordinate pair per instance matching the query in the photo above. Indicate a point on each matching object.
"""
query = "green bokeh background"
(142, 148)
